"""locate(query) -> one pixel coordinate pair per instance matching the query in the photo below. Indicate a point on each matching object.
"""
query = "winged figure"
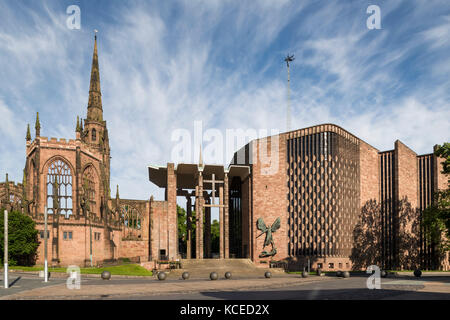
(268, 232)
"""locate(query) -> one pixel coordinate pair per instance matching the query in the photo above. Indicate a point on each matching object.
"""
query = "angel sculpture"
(269, 240)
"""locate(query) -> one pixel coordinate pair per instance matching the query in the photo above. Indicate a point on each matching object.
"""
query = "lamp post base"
(6, 276)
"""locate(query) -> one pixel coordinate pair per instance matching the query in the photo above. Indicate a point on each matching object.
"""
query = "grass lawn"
(126, 270)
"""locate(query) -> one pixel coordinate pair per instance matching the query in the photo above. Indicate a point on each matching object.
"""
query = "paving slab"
(95, 289)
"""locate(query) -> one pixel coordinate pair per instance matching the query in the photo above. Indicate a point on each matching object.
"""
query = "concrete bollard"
(213, 276)
(106, 275)
(162, 276)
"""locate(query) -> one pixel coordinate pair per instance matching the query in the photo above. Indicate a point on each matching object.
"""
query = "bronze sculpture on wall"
(269, 239)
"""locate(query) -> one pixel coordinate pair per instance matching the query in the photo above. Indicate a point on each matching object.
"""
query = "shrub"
(22, 239)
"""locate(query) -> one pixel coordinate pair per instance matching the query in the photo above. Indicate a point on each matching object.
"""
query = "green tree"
(444, 152)
(22, 239)
(215, 240)
(436, 220)
(182, 229)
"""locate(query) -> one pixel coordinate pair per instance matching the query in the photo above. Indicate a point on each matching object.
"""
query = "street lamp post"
(85, 198)
(90, 236)
(45, 245)
(5, 260)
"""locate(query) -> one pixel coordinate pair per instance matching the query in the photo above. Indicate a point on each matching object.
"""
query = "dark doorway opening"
(235, 218)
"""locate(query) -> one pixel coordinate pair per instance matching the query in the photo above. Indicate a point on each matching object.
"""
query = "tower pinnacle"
(37, 126)
(78, 128)
(28, 137)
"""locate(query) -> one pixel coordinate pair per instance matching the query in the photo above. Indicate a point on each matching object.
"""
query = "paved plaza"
(279, 287)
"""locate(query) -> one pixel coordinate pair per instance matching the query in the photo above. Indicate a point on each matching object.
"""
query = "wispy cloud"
(165, 65)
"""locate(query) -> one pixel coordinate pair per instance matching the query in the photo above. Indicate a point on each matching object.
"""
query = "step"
(201, 268)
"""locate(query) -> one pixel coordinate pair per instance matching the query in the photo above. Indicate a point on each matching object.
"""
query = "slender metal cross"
(213, 182)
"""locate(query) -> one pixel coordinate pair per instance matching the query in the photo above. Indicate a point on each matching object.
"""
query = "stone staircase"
(240, 268)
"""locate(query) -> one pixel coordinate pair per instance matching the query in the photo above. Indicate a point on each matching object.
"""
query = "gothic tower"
(94, 133)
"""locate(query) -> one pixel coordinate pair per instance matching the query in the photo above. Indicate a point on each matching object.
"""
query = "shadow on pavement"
(318, 294)
(14, 282)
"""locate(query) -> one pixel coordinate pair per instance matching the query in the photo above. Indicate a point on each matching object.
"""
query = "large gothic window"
(131, 217)
(89, 182)
(59, 172)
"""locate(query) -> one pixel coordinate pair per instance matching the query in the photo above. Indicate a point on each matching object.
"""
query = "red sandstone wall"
(158, 227)
(269, 197)
(133, 249)
(369, 173)
(441, 180)
(406, 180)
(77, 250)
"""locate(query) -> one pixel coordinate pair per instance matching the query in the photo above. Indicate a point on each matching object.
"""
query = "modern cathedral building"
(296, 198)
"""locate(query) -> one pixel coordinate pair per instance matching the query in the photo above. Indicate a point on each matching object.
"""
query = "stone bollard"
(106, 275)
(213, 276)
(339, 274)
(268, 274)
(383, 274)
(162, 276)
(185, 275)
(228, 275)
(305, 274)
(346, 274)
(418, 273)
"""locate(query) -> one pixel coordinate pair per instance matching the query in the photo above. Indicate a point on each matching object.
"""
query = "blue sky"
(166, 64)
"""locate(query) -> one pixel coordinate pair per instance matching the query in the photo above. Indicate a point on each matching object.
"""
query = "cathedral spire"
(95, 109)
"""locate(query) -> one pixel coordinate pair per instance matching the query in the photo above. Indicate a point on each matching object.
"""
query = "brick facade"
(319, 189)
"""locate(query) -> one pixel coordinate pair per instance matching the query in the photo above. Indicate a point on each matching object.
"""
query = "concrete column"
(188, 227)
(197, 224)
(226, 219)
(200, 215)
(172, 218)
(221, 224)
(208, 231)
